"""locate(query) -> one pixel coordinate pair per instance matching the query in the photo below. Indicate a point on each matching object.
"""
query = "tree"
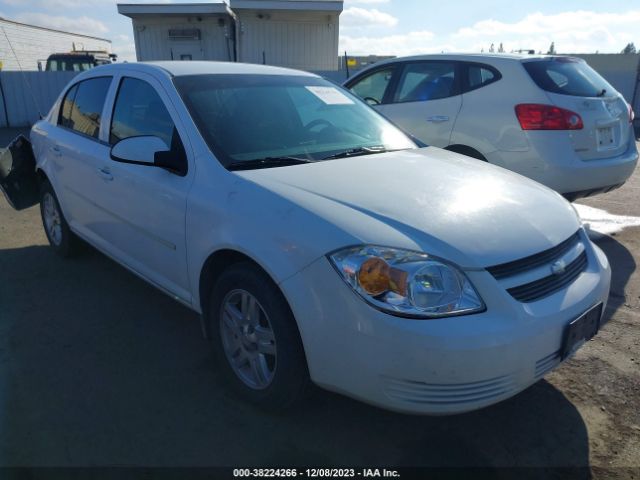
(552, 49)
(492, 48)
(630, 48)
(500, 48)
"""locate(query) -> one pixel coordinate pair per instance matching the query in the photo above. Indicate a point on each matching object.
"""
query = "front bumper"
(441, 366)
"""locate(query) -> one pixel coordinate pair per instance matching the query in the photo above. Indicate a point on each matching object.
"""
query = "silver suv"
(551, 118)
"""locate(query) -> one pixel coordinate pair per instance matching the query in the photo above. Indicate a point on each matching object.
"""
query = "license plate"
(605, 137)
(581, 330)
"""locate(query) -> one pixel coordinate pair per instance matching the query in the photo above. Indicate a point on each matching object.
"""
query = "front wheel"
(256, 338)
(60, 236)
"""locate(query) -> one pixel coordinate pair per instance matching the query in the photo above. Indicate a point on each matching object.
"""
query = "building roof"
(219, 7)
(305, 5)
(132, 10)
(54, 30)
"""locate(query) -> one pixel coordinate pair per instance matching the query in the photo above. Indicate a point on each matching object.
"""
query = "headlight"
(406, 283)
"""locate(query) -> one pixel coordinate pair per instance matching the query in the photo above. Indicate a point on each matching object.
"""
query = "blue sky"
(399, 27)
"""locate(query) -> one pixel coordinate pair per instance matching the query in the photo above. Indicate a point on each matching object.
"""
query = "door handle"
(105, 174)
(438, 118)
(56, 151)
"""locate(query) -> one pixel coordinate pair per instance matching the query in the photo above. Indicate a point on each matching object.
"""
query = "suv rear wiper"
(602, 93)
(267, 162)
(354, 152)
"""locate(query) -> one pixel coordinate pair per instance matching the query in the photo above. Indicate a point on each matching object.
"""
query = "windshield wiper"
(268, 162)
(602, 93)
(354, 152)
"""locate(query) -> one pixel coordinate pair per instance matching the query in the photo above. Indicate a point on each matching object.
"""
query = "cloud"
(572, 32)
(126, 51)
(86, 25)
(579, 31)
(57, 4)
(361, 17)
(53, 5)
(368, 2)
(401, 44)
(537, 23)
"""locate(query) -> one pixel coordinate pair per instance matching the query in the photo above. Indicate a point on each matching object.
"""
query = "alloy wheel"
(248, 339)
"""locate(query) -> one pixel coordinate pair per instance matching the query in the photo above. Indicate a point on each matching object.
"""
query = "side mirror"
(138, 150)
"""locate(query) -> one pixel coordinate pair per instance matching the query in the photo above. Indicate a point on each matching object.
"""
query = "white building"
(31, 44)
(291, 33)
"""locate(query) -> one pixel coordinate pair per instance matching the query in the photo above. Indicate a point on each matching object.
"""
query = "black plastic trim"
(509, 269)
(546, 286)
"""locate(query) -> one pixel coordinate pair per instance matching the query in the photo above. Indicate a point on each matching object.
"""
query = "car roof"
(473, 56)
(180, 68)
(494, 59)
(490, 58)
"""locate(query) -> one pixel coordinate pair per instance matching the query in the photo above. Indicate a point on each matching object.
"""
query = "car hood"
(429, 199)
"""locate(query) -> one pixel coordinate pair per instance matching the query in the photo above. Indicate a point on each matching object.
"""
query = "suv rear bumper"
(554, 164)
(571, 196)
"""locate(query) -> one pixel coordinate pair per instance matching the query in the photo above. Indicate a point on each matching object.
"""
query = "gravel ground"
(99, 368)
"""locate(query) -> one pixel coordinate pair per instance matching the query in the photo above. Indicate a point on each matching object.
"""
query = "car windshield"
(251, 118)
(568, 76)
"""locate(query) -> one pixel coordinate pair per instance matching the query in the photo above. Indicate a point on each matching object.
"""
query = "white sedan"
(318, 243)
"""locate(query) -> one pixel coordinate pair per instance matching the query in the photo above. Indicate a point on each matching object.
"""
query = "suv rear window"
(568, 76)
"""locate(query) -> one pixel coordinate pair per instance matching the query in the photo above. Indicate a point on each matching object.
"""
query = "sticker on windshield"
(330, 95)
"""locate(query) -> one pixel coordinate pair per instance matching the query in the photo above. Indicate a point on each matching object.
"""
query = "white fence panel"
(23, 95)
(18, 108)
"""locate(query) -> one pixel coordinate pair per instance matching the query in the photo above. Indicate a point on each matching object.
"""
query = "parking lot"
(99, 368)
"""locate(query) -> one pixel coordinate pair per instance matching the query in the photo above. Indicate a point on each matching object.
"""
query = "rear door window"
(65, 110)
(373, 87)
(82, 107)
(478, 75)
(424, 81)
(568, 76)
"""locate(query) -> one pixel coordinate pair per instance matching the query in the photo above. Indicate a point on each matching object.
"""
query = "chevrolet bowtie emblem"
(558, 268)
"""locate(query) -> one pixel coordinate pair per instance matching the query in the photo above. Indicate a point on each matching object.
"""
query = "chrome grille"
(534, 277)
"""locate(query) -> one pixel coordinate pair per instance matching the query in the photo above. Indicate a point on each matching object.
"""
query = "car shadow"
(622, 267)
(99, 368)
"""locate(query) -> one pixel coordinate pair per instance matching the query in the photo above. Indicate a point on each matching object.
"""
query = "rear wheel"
(256, 339)
(60, 237)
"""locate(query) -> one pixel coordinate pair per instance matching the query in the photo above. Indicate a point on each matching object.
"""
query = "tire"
(259, 348)
(61, 238)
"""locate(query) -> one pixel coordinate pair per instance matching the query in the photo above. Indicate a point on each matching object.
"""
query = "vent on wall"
(184, 34)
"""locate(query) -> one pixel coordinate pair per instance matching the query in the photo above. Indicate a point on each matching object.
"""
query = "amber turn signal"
(377, 277)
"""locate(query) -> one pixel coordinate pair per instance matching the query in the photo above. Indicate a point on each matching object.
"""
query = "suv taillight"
(533, 116)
